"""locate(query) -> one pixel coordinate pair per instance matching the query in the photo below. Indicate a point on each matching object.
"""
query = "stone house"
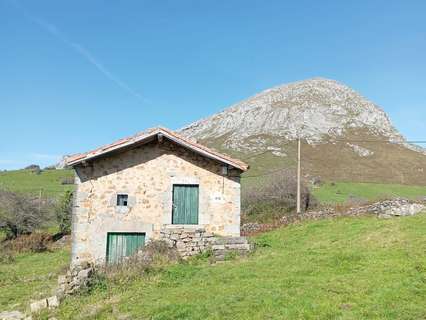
(129, 191)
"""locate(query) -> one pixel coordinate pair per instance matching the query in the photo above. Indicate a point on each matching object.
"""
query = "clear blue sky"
(78, 74)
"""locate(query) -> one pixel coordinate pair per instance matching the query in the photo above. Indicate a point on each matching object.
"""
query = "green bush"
(63, 212)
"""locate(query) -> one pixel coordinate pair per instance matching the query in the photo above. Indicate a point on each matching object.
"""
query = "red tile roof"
(142, 137)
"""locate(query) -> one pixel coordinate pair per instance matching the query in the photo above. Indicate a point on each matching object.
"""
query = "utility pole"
(298, 175)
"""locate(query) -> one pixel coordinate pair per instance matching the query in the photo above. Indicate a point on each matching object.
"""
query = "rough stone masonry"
(190, 242)
(147, 175)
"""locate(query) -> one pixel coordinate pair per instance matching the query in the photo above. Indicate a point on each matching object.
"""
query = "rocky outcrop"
(62, 164)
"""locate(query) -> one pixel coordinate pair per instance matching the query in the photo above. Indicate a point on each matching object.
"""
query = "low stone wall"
(382, 209)
(68, 284)
(389, 208)
(223, 247)
(192, 241)
(187, 241)
(75, 279)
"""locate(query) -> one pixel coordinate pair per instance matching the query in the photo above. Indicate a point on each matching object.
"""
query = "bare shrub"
(152, 258)
(35, 242)
(274, 197)
(19, 214)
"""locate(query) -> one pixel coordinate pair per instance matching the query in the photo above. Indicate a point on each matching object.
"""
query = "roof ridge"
(78, 158)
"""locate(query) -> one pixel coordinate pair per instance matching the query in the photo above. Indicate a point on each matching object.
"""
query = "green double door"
(120, 245)
(185, 204)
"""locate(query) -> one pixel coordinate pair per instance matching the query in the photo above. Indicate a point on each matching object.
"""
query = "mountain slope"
(337, 125)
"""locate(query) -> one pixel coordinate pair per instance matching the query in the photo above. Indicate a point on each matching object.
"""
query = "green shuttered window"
(185, 204)
(120, 245)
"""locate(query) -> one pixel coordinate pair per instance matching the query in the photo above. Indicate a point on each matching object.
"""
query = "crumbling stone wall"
(147, 175)
(75, 279)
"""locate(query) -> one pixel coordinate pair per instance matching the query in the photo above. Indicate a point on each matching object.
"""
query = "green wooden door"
(185, 204)
(120, 245)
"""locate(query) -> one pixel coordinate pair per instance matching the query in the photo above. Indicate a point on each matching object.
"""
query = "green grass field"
(341, 192)
(346, 268)
(49, 181)
(30, 276)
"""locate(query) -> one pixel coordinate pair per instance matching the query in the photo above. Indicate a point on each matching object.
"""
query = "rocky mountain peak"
(314, 109)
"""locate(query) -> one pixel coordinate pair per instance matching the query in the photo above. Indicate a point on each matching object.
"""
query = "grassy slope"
(30, 276)
(49, 181)
(334, 161)
(340, 192)
(349, 268)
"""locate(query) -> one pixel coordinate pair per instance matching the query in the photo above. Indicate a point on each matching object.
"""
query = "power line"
(258, 154)
(380, 141)
(266, 151)
(264, 174)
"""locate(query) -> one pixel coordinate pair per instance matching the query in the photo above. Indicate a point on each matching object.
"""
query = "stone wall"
(192, 241)
(147, 175)
(226, 246)
(188, 241)
(390, 208)
(382, 209)
(75, 279)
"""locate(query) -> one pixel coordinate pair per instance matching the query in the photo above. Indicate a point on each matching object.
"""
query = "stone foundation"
(188, 241)
(192, 241)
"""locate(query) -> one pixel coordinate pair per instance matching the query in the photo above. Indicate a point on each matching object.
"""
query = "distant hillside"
(50, 182)
(340, 129)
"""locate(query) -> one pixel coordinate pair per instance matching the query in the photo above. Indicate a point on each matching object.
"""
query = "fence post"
(298, 175)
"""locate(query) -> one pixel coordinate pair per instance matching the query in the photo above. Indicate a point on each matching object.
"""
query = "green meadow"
(48, 182)
(346, 268)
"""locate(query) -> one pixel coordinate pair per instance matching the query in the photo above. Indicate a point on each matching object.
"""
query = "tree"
(19, 214)
(35, 168)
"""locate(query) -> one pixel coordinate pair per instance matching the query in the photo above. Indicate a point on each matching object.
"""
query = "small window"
(122, 200)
